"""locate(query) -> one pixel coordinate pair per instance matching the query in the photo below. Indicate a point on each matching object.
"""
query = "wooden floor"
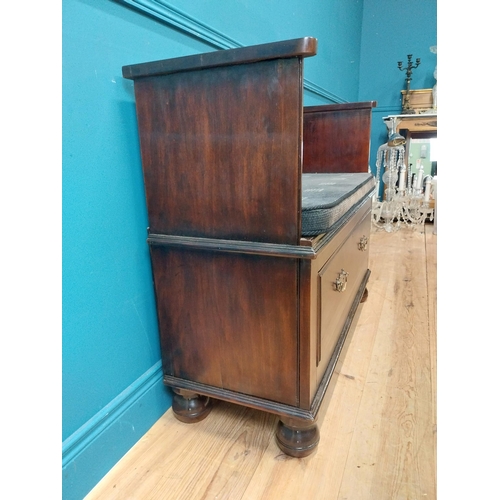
(378, 436)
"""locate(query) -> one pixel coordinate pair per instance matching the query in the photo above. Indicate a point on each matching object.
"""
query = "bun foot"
(296, 438)
(190, 407)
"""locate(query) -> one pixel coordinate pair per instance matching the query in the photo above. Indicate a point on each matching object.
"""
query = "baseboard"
(91, 451)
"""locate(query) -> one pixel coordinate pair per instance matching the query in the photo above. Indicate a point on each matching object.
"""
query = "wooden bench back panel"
(221, 142)
(337, 137)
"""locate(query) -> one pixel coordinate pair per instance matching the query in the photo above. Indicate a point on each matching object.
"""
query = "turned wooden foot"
(190, 407)
(365, 295)
(297, 438)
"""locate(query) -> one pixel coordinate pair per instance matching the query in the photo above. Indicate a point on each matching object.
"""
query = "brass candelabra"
(409, 69)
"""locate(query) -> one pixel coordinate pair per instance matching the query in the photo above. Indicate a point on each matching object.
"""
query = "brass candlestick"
(408, 69)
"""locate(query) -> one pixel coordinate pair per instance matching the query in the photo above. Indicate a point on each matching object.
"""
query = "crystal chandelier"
(406, 194)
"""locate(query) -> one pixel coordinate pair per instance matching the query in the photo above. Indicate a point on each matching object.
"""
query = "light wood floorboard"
(378, 433)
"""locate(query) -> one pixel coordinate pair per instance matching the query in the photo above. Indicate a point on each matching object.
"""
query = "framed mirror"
(422, 146)
(420, 132)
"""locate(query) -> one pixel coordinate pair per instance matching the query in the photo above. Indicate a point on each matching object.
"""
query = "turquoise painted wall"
(391, 30)
(109, 322)
(112, 389)
(335, 23)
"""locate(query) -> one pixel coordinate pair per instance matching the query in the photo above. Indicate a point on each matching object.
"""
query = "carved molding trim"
(173, 16)
(229, 246)
(280, 409)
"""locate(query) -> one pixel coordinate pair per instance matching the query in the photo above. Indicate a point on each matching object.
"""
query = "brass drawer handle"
(340, 284)
(363, 243)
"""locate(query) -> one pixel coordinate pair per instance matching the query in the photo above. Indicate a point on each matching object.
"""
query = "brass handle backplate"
(340, 284)
(363, 243)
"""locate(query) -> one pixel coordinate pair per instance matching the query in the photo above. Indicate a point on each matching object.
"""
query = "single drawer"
(338, 282)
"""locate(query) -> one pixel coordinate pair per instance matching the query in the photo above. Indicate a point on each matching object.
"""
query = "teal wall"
(112, 388)
(335, 23)
(392, 29)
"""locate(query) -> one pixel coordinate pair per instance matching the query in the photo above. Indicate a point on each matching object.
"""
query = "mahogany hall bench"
(259, 227)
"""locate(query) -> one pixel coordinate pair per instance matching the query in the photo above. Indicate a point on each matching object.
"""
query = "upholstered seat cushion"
(327, 198)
